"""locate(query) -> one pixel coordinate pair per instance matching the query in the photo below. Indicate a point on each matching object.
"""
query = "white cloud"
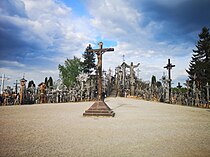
(29, 73)
(52, 25)
(120, 21)
(60, 34)
(5, 63)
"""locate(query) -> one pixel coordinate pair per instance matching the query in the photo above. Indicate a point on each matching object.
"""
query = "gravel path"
(139, 128)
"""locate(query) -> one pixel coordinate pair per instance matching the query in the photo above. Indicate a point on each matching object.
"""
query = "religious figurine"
(132, 77)
(22, 90)
(42, 88)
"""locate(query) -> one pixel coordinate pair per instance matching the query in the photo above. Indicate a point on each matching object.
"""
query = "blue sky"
(37, 36)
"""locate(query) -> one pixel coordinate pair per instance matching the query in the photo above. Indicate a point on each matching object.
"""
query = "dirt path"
(140, 128)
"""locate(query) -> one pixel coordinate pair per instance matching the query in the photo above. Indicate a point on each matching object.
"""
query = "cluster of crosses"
(124, 83)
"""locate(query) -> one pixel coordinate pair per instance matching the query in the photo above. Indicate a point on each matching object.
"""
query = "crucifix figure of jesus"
(99, 52)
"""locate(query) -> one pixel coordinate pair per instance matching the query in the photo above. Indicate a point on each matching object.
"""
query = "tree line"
(199, 68)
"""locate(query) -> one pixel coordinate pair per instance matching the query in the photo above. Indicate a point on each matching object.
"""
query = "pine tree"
(153, 84)
(31, 84)
(89, 60)
(50, 82)
(200, 62)
(45, 81)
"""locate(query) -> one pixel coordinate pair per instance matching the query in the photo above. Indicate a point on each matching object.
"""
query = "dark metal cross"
(169, 66)
(16, 86)
(99, 52)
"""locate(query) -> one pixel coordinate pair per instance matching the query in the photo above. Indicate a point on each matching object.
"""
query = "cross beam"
(100, 50)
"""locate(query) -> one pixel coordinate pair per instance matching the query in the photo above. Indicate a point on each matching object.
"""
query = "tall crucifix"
(99, 108)
(99, 52)
(169, 66)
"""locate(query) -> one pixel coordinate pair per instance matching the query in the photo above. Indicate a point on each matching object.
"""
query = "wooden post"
(207, 94)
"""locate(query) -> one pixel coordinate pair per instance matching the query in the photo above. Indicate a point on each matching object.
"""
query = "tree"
(158, 84)
(69, 71)
(153, 83)
(50, 82)
(45, 81)
(89, 60)
(31, 84)
(200, 62)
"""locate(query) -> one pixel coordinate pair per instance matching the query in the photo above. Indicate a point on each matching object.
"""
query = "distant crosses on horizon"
(16, 86)
(169, 66)
(3, 78)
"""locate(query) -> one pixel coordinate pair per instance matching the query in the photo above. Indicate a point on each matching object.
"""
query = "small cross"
(99, 53)
(123, 58)
(179, 85)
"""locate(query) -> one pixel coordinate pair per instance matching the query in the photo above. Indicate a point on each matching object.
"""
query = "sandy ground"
(139, 128)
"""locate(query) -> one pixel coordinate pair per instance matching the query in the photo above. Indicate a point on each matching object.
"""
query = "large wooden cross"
(99, 108)
(99, 52)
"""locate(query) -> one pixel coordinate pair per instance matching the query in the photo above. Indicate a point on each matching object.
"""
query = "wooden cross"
(169, 66)
(207, 94)
(99, 52)
(187, 84)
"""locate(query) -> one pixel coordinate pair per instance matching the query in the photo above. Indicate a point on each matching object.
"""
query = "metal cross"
(169, 66)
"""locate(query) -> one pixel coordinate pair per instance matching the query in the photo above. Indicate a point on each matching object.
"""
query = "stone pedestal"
(99, 108)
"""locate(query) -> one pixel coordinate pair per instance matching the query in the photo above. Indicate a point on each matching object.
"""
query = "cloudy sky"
(38, 35)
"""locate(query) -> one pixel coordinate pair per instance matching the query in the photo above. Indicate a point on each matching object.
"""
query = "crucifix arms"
(169, 65)
(101, 50)
(132, 66)
(135, 66)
